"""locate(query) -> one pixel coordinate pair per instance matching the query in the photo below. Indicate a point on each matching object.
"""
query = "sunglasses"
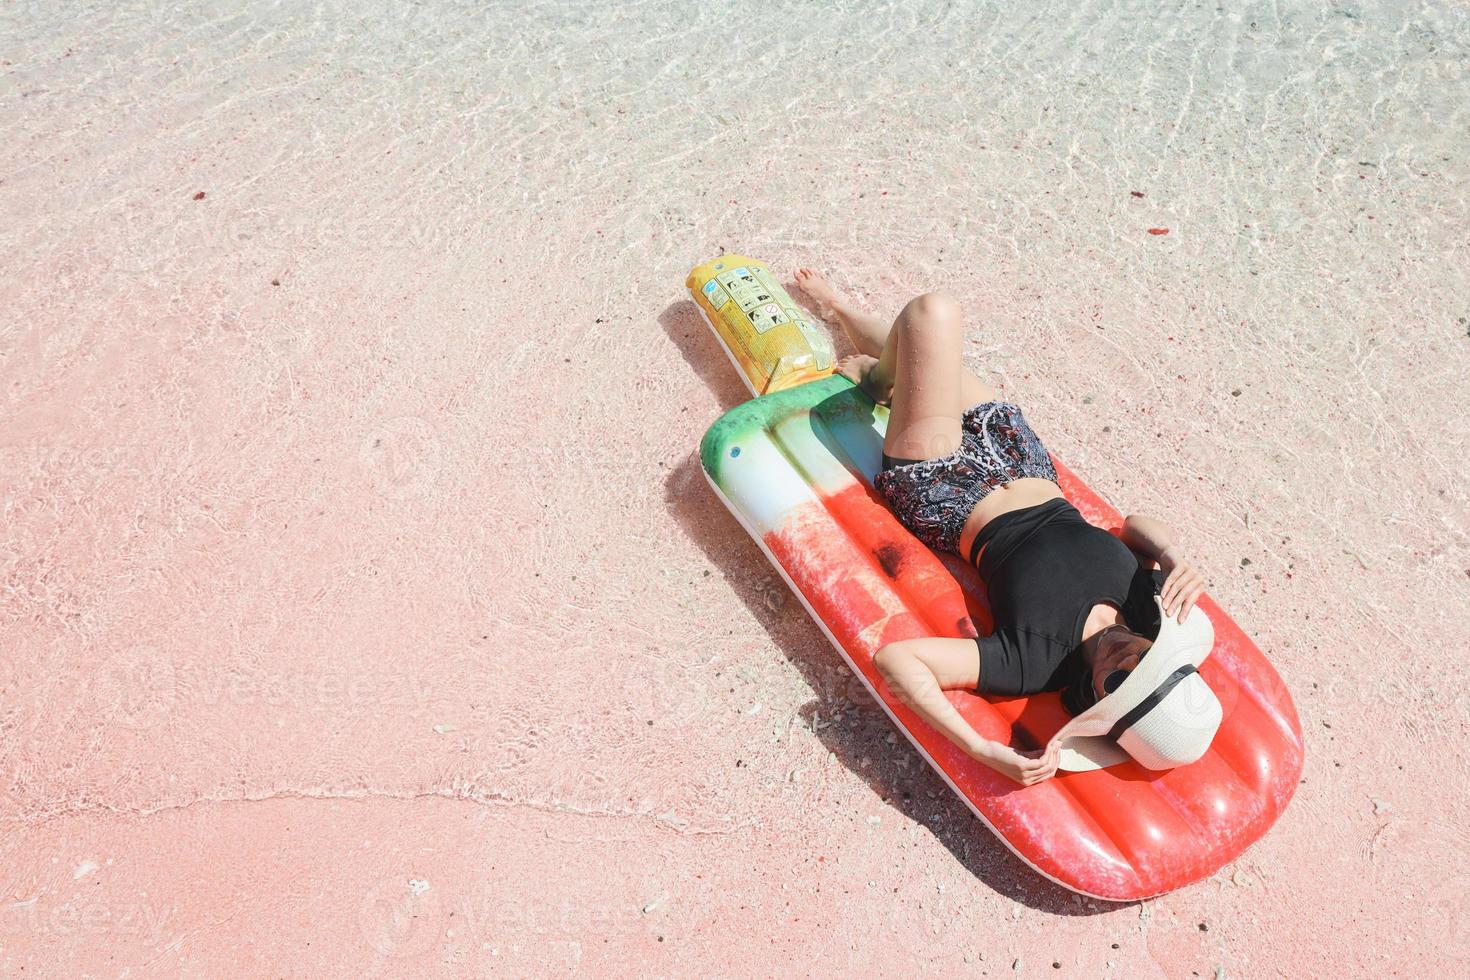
(1079, 695)
(1115, 678)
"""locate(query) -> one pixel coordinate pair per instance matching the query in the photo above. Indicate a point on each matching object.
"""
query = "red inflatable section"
(1121, 833)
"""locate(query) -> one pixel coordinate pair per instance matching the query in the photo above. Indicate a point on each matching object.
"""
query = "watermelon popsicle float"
(795, 467)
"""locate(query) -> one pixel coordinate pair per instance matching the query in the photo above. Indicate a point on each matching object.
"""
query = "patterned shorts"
(934, 497)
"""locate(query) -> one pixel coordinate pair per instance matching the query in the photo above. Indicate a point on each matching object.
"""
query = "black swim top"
(1044, 568)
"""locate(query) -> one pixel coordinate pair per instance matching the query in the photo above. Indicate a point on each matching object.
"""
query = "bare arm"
(1147, 536)
(1153, 540)
(919, 671)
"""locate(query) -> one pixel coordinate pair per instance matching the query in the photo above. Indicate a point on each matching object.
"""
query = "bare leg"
(922, 356)
(865, 331)
(870, 335)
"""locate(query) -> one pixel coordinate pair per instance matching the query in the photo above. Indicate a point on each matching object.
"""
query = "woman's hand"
(1183, 584)
(1026, 768)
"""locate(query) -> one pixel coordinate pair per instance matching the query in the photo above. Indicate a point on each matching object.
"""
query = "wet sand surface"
(365, 611)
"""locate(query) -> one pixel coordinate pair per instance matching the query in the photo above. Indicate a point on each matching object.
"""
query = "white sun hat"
(1163, 714)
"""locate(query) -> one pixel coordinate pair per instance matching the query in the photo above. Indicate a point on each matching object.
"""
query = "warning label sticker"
(767, 316)
(717, 297)
(754, 295)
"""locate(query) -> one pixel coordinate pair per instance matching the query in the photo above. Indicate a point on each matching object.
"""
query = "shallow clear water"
(351, 396)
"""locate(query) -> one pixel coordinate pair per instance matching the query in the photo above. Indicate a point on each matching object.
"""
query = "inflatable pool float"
(771, 341)
(795, 466)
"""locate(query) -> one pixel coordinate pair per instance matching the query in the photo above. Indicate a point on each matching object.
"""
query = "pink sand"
(365, 613)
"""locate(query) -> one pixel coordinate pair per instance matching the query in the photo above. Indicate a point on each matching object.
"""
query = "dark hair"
(1080, 694)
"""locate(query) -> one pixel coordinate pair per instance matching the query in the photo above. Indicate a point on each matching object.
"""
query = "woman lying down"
(1076, 609)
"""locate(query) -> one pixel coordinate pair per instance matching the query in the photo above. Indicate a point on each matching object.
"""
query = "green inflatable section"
(834, 400)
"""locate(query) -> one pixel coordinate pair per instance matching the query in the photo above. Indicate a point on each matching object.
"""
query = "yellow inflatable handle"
(774, 343)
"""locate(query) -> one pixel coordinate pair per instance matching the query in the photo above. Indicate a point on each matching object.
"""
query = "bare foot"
(815, 285)
(868, 333)
(858, 368)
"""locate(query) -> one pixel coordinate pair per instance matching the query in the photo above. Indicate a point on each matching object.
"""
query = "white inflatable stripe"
(759, 476)
(801, 436)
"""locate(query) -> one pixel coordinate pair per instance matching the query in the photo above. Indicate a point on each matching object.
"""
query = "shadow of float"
(686, 328)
